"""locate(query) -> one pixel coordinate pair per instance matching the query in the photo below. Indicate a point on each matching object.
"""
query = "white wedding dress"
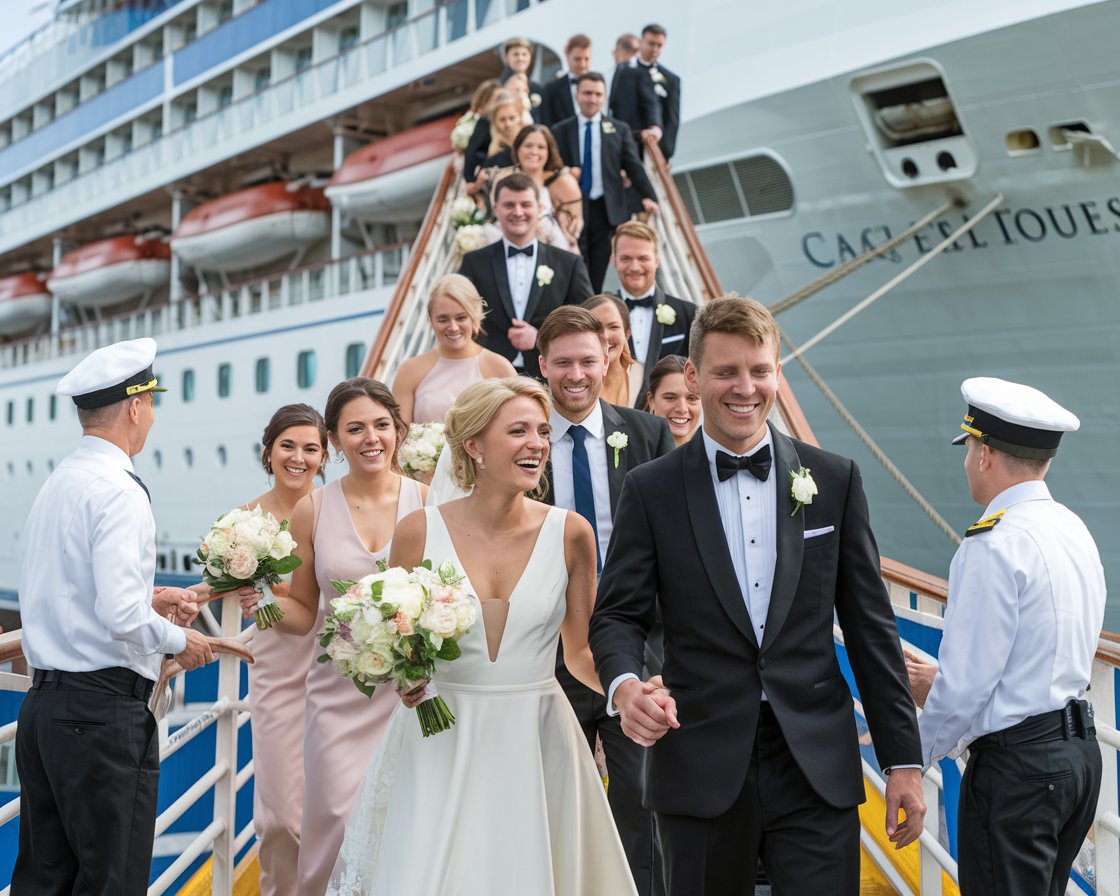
(508, 802)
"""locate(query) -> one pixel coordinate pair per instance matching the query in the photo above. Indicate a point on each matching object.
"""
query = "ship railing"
(365, 270)
(223, 778)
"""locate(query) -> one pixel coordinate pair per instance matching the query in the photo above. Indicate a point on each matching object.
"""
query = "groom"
(754, 748)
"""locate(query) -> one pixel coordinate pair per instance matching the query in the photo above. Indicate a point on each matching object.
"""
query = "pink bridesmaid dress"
(342, 727)
(439, 389)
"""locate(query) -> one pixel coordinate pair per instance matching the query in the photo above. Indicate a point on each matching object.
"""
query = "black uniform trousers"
(1025, 810)
(595, 241)
(87, 751)
(625, 774)
(807, 846)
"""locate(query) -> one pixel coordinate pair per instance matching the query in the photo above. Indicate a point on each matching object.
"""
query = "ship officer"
(87, 750)
(1026, 606)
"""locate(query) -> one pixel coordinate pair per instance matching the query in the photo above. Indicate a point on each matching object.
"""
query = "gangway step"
(246, 878)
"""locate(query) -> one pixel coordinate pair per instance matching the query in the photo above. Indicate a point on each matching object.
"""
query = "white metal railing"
(365, 270)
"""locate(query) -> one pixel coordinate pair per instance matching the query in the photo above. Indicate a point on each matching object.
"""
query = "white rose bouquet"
(469, 237)
(464, 128)
(421, 449)
(465, 213)
(393, 625)
(249, 547)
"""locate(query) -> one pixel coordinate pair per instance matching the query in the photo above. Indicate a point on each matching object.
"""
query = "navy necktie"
(140, 482)
(581, 482)
(585, 171)
(757, 464)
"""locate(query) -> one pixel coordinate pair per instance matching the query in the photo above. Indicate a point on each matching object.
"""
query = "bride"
(508, 801)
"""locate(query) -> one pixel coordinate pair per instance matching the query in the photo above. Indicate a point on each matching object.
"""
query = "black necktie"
(643, 302)
(140, 482)
(523, 250)
(757, 464)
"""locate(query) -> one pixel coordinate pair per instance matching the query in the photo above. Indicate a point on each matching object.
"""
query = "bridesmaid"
(343, 529)
(624, 374)
(427, 385)
(670, 397)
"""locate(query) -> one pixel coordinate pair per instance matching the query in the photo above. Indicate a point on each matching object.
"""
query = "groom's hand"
(646, 710)
(904, 790)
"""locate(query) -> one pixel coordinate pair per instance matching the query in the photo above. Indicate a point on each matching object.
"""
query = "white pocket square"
(676, 338)
(813, 533)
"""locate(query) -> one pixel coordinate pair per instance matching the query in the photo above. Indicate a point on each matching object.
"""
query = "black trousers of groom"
(595, 241)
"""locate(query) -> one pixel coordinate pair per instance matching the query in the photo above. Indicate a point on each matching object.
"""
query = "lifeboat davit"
(393, 178)
(24, 302)
(111, 271)
(252, 227)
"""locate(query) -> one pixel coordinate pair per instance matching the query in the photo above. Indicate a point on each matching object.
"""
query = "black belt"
(1074, 720)
(115, 680)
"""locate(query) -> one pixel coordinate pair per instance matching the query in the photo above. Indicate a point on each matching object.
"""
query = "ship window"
(188, 385)
(262, 375)
(225, 96)
(355, 355)
(50, 465)
(30, 468)
(11, 469)
(303, 58)
(157, 456)
(188, 456)
(161, 560)
(395, 15)
(221, 455)
(1022, 141)
(257, 449)
(305, 369)
(742, 188)
(30, 410)
(225, 377)
(11, 412)
(766, 186)
(186, 562)
(261, 79)
(52, 406)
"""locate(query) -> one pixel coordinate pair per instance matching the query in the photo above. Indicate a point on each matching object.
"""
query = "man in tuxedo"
(751, 543)
(666, 85)
(520, 278)
(560, 94)
(585, 474)
(632, 97)
(659, 323)
(517, 53)
(602, 148)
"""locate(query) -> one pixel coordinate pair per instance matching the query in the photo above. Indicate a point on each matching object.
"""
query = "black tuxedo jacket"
(633, 98)
(668, 92)
(558, 103)
(486, 269)
(618, 152)
(664, 339)
(668, 547)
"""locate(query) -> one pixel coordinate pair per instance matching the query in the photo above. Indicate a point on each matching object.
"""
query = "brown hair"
(654, 29)
(568, 319)
(635, 230)
(591, 76)
(605, 298)
(577, 42)
(286, 417)
(553, 162)
(668, 365)
(516, 42)
(483, 95)
(732, 314)
(359, 387)
(517, 182)
(627, 42)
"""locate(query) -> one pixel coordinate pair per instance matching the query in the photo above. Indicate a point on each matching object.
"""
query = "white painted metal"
(249, 244)
(111, 284)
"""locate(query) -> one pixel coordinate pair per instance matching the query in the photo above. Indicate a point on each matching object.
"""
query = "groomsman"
(602, 148)
(560, 94)
(594, 446)
(521, 278)
(752, 545)
(659, 323)
(518, 57)
(632, 97)
(666, 85)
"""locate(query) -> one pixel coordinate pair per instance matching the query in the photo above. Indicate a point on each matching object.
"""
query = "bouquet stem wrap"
(433, 713)
(268, 610)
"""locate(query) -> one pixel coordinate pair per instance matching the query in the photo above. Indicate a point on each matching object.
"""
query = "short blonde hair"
(636, 230)
(462, 292)
(473, 412)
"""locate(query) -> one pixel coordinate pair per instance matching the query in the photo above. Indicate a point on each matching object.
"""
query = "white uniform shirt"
(596, 151)
(563, 486)
(87, 568)
(520, 269)
(1026, 607)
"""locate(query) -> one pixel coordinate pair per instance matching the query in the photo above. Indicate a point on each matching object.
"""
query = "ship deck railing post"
(1107, 844)
(225, 790)
(930, 869)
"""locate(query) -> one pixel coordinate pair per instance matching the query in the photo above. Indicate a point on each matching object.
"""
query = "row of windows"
(306, 369)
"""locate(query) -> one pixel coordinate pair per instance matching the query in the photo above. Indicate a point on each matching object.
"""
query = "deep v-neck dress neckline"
(354, 525)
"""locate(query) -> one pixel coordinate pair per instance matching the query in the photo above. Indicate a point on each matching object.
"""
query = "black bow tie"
(757, 464)
(574, 81)
(523, 250)
(643, 302)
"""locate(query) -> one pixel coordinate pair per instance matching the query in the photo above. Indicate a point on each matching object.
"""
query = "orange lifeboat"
(25, 302)
(111, 271)
(392, 179)
(252, 227)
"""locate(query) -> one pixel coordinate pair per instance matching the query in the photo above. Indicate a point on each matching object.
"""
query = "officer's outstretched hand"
(197, 652)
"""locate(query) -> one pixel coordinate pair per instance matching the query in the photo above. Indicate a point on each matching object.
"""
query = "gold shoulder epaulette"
(984, 525)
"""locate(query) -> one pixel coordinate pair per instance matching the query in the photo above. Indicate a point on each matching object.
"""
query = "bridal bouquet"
(393, 625)
(464, 128)
(464, 213)
(249, 547)
(421, 449)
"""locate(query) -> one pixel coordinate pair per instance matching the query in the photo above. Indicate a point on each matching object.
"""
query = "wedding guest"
(632, 97)
(427, 384)
(518, 85)
(666, 84)
(518, 57)
(671, 398)
(491, 144)
(618, 384)
(560, 93)
(342, 529)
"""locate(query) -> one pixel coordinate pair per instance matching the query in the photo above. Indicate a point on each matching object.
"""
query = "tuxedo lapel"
(711, 540)
(656, 332)
(791, 539)
(501, 279)
(535, 287)
(613, 422)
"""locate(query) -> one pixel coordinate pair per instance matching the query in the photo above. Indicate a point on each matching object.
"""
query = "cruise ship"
(923, 193)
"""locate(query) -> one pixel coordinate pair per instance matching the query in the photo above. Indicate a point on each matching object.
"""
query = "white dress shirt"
(87, 568)
(641, 326)
(1026, 606)
(519, 271)
(563, 487)
(596, 151)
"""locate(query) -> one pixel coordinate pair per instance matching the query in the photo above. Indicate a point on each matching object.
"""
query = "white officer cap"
(111, 374)
(1014, 418)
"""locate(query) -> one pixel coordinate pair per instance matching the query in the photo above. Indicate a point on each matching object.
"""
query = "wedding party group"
(572, 526)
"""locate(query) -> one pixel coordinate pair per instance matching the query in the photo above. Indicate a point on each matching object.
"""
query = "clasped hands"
(177, 605)
(646, 708)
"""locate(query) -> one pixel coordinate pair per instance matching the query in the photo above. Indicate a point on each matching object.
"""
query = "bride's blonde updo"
(473, 412)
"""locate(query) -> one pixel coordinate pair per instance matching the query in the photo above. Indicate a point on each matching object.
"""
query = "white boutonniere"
(544, 275)
(655, 74)
(801, 488)
(608, 127)
(535, 99)
(666, 314)
(617, 440)
(661, 91)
